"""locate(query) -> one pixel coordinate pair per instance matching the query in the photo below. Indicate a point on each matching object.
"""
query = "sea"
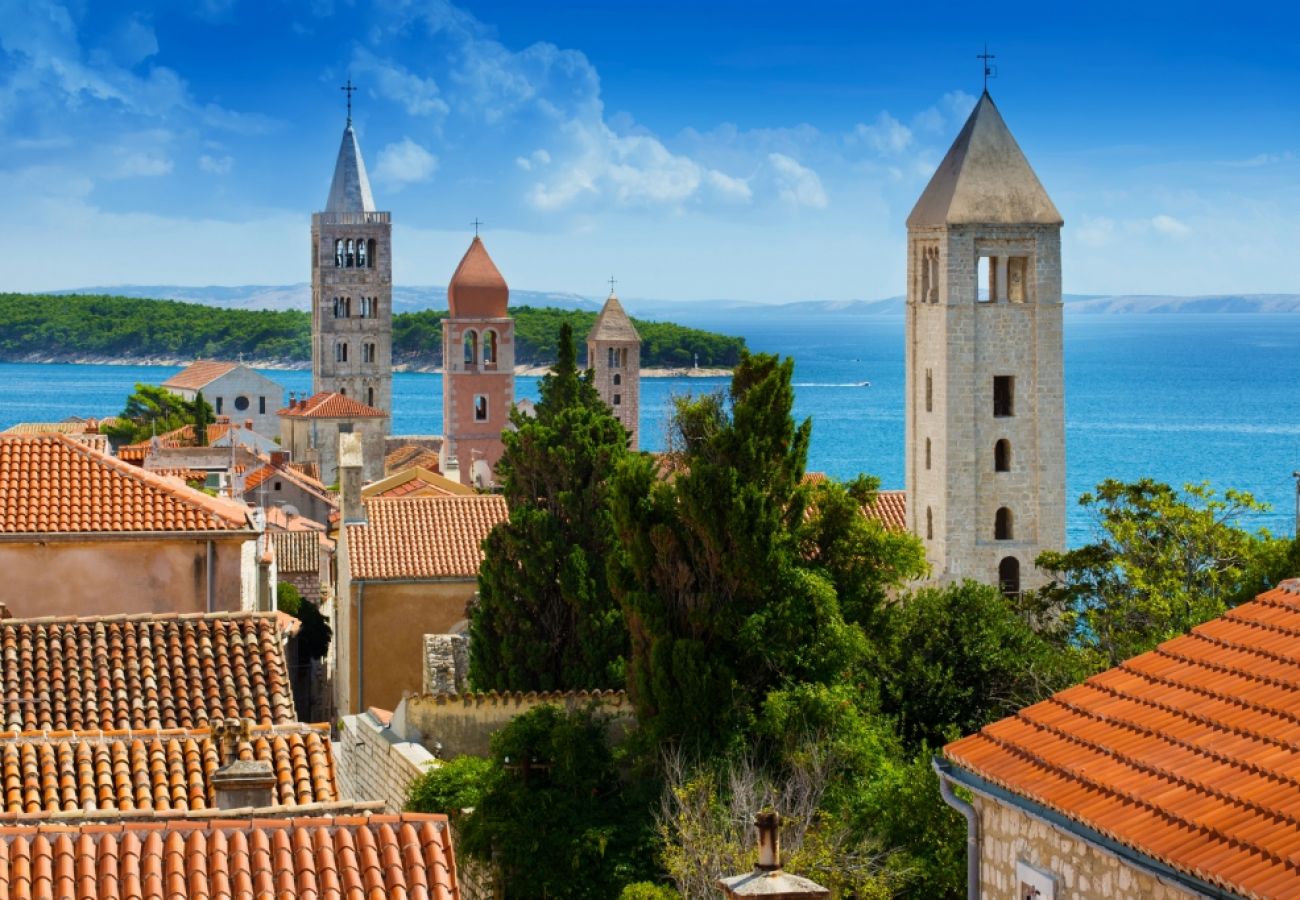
(1180, 398)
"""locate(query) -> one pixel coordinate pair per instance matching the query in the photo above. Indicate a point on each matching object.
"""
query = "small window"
(1009, 576)
(370, 396)
(363, 261)
(261, 406)
(618, 399)
(340, 353)
(218, 406)
(471, 348)
(368, 352)
(929, 390)
(371, 254)
(480, 408)
(345, 427)
(278, 486)
(352, 254)
(929, 524)
(1002, 456)
(618, 379)
(1034, 883)
(986, 279)
(613, 358)
(1002, 525)
(927, 454)
(338, 253)
(489, 349)
(241, 403)
(1004, 395)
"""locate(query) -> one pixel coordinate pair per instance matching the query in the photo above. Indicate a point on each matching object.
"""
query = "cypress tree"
(545, 618)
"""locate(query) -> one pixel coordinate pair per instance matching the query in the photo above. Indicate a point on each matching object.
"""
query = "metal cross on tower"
(989, 71)
(611, 284)
(349, 89)
(476, 223)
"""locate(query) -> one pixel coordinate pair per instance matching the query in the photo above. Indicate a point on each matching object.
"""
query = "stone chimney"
(279, 458)
(240, 783)
(767, 880)
(351, 509)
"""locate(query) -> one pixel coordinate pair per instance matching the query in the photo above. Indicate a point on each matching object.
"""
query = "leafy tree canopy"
(152, 410)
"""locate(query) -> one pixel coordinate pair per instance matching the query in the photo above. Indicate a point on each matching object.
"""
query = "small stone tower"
(478, 368)
(352, 288)
(985, 379)
(614, 354)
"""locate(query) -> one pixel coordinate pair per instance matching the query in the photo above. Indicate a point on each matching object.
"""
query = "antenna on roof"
(349, 89)
(989, 71)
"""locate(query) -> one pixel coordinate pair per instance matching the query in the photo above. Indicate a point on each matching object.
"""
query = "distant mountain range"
(409, 298)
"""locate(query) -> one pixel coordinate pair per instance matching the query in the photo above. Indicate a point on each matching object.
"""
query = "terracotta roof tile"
(153, 770)
(890, 509)
(52, 484)
(410, 456)
(416, 482)
(258, 476)
(199, 374)
(406, 856)
(185, 436)
(423, 537)
(1189, 754)
(326, 405)
(143, 671)
(296, 551)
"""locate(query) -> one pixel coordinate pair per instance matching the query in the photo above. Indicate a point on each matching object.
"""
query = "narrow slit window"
(985, 289)
(927, 454)
(1003, 525)
(1004, 395)
(1002, 456)
(480, 408)
(929, 524)
(929, 390)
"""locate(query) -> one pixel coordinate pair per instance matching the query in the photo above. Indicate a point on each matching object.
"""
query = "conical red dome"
(477, 290)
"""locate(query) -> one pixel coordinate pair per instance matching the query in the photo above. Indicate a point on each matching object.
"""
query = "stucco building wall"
(316, 439)
(259, 396)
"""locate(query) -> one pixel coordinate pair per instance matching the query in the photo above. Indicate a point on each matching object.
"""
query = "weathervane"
(349, 89)
(476, 223)
(611, 285)
(989, 71)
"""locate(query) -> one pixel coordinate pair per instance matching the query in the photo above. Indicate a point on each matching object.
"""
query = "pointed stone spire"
(477, 290)
(350, 190)
(613, 323)
(984, 179)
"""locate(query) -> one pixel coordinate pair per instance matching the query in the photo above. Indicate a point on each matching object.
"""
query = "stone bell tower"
(985, 378)
(614, 356)
(352, 287)
(478, 369)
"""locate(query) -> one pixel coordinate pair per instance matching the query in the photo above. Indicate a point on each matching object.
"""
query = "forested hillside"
(72, 327)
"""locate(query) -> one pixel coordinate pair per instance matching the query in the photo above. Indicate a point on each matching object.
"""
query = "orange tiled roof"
(890, 509)
(327, 405)
(253, 480)
(410, 456)
(278, 519)
(416, 482)
(297, 551)
(423, 537)
(390, 856)
(1189, 754)
(153, 770)
(51, 485)
(142, 671)
(199, 374)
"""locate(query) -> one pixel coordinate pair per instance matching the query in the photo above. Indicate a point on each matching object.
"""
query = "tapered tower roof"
(984, 179)
(350, 190)
(613, 323)
(477, 290)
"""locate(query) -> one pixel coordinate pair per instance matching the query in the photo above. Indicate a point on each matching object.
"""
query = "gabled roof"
(416, 482)
(1189, 754)
(406, 856)
(297, 551)
(254, 480)
(477, 290)
(350, 189)
(329, 405)
(199, 374)
(889, 509)
(409, 456)
(54, 485)
(984, 179)
(613, 325)
(42, 773)
(423, 537)
(142, 671)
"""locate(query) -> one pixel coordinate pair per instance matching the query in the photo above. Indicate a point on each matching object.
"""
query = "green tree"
(152, 410)
(719, 606)
(202, 419)
(315, 634)
(1164, 562)
(451, 787)
(545, 618)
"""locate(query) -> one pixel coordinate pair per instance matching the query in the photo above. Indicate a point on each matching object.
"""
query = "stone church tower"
(985, 379)
(614, 355)
(352, 288)
(478, 369)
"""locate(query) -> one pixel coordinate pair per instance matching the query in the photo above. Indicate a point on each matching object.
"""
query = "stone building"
(985, 464)
(478, 369)
(233, 390)
(1169, 776)
(614, 355)
(352, 288)
(310, 429)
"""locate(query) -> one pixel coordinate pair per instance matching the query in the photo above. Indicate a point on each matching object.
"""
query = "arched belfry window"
(363, 259)
(1009, 576)
(1003, 525)
(471, 347)
(489, 349)
(618, 379)
(338, 253)
(1002, 456)
(370, 252)
(352, 253)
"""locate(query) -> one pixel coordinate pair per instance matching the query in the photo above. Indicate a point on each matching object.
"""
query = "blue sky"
(748, 150)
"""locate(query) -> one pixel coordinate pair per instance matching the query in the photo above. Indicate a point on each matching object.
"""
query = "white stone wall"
(1080, 870)
(262, 399)
(372, 763)
(628, 386)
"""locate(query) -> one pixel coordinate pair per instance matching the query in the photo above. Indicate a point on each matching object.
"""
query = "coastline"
(283, 366)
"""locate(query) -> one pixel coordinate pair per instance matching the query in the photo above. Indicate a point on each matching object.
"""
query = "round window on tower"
(241, 403)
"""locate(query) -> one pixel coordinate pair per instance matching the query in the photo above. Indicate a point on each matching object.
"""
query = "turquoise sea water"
(1177, 398)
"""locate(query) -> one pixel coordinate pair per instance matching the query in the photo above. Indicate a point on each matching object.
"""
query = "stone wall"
(460, 724)
(1079, 869)
(372, 762)
(446, 663)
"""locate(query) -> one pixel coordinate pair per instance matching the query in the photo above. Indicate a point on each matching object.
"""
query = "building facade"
(352, 287)
(478, 369)
(985, 462)
(614, 356)
(244, 395)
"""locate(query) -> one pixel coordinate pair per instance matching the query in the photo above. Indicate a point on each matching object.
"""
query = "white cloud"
(796, 184)
(887, 136)
(1170, 226)
(732, 189)
(142, 165)
(537, 158)
(403, 163)
(216, 165)
(419, 96)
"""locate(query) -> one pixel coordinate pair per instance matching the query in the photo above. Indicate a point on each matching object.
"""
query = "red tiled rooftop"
(198, 375)
(327, 405)
(142, 671)
(389, 856)
(423, 537)
(890, 509)
(410, 456)
(1189, 754)
(297, 551)
(52, 484)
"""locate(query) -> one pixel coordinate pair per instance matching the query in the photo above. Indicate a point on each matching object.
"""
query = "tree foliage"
(544, 618)
(152, 410)
(451, 787)
(315, 634)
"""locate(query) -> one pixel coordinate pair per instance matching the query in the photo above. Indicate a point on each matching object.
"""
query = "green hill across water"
(67, 328)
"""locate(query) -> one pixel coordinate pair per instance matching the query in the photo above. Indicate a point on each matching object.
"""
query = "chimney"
(240, 783)
(351, 509)
(767, 880)
(279, 458)
(248, 424)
